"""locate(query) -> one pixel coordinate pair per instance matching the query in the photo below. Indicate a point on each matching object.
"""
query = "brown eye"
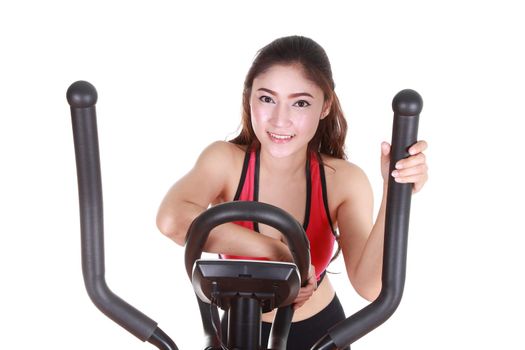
(302, 103)
(266, 99)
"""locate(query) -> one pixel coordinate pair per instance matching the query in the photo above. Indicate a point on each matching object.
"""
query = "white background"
(169, 76)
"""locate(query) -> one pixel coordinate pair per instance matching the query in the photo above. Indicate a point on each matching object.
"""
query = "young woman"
(290, 153)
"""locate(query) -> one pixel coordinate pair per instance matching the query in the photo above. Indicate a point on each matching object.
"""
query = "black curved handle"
(294, 236)
(82, 97)
(292, 231)
(407, 106)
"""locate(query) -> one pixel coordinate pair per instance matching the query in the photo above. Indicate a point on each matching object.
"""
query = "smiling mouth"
(279, 137)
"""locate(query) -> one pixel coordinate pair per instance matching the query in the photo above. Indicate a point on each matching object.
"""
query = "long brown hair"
(331, 132)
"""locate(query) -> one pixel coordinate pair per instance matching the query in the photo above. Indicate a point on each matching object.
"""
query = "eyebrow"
(297, 94)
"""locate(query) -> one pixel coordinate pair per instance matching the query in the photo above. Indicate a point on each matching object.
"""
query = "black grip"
(82, 97)
(407, 106)
(280, 330)
(292, 231)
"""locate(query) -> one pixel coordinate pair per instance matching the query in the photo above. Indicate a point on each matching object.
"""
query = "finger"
(300, 301)
(416, 179)
(418, 147)
(411, 161)
(305, 292)
(421, 169)
(301, 295)
(304, 295)
(385, 148)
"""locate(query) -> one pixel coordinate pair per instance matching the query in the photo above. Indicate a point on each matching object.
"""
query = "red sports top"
(318, 225)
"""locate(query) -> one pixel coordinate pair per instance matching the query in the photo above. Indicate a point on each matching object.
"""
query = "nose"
(280, 115)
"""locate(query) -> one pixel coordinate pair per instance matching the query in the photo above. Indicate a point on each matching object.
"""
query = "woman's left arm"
(362, 239)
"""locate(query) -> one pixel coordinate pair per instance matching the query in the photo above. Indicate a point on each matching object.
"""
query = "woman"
(290, 154)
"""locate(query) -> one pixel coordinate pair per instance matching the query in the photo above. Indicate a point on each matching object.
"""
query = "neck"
(289, 166)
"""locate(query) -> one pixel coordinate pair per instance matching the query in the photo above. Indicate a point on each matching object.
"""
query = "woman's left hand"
(412, 169)
(306, 292)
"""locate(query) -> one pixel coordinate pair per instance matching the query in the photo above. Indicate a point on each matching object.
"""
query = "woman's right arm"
(206, 183)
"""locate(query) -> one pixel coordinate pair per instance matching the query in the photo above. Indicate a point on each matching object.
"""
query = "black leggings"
(304, 334)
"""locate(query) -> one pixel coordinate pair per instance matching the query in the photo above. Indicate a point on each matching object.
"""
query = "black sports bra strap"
(243, 175)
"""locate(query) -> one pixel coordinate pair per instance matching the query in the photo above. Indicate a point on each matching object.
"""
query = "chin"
(280, 151)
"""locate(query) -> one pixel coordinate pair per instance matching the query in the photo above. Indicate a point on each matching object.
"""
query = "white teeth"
(281, 137)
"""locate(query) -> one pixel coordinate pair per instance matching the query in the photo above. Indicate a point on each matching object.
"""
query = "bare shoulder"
(221, 162)
(344, 180)
(343, 172)
(221, 154)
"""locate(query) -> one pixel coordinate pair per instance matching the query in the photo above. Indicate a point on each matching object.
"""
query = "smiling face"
(286, 108)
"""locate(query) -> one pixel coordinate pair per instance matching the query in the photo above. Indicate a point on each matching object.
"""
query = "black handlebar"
(292, 231)
(407, 106)
(293, 234)
(82, 98)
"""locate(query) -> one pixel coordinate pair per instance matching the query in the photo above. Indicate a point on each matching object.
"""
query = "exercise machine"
(244, 289)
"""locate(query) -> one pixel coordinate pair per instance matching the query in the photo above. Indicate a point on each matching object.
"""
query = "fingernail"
(395, 173)
(399, 166)
(412, 151)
